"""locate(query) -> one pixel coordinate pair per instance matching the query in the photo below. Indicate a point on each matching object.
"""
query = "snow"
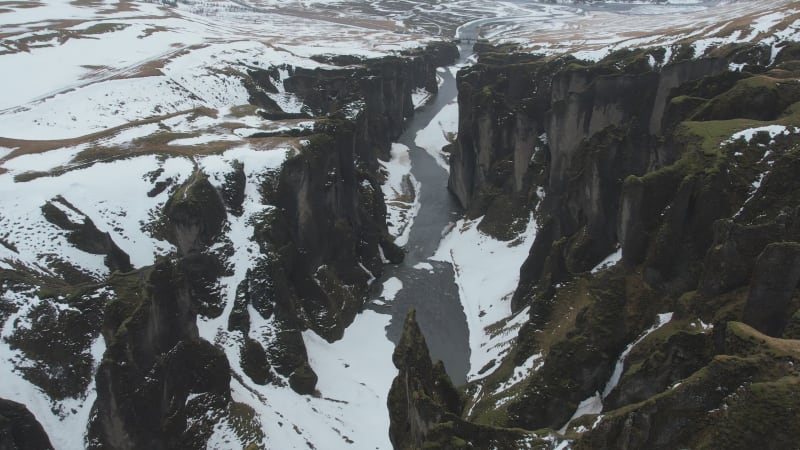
(609, 261)
(398, 189)
(591, 405)
(594, 404)
(434, 136)
(420, 97)
(487, 273)
(96, 107)
(112, 194)
(240, 230)
(75, 55)
(169, 61)
(205, 139)
(355, 374)
(424, 266)
(287, 101)
(5, 151)
(42, 162)
(662, 320)
(129, 134)
(772, 130)
(390, 288)
(63, 421)
(521, 372)
(530, 364)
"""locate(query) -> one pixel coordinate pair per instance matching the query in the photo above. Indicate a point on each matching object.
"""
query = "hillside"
(216, 216)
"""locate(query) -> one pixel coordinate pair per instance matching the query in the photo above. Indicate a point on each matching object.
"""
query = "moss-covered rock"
(153, 348)
(657, 363)
(195, 214)
(755, 380)
(775, 280)
(421, 394)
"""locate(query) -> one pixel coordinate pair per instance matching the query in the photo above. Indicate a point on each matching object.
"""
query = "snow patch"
(401, 192)
(390, 288)
(435, 135)
(420, 97)
(662, 320)
(609, 261)
(487, 273)
(424, 266)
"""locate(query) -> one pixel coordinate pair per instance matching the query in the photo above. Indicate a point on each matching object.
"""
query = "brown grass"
(790, 347)
(26, 147)
(21, 4)
(569, 301)
(326, 16)
(95, 155)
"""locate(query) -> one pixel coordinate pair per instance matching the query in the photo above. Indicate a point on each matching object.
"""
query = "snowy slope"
(105, 99)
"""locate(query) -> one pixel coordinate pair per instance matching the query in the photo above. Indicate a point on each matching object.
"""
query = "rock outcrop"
(321, 236)
(19, 429)
(154, 361)
(374, 93)
(85, 235)
(639, 155)
(330, 222)
(425, 408)
(741, 399)
(775, 280)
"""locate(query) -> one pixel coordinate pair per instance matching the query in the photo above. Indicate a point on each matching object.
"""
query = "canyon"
(465, 226)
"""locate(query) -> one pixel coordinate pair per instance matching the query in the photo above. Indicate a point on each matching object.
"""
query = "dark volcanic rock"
(195, 214)
(425, 408)
(634, 153)
(575, 129)
(421, 394)
(154, 360)
(85, 236)
(775, 279)
(19, 429)
(233, 189)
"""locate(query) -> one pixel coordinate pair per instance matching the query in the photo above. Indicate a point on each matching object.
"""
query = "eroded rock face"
(636, 156)
(421, 394)
(154, 361)
(376, 93)
(425, 408)
(775, 280)
(19, 429)
(321, 235)
(195, 214)
(739, 400)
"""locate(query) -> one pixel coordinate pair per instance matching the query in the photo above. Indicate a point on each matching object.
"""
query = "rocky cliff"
(258, 257)
(677, 169)
(425, 409)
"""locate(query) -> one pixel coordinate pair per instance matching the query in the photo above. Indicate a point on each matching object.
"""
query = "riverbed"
(429, 286)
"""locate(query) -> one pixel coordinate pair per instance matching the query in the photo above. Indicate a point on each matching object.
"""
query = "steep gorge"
(636, 159)
(658, 303)
(165, 378)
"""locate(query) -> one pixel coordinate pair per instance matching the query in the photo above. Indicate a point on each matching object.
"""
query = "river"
(431, 288)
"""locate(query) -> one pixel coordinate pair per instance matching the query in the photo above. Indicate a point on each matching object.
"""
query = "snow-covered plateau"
(204, 210)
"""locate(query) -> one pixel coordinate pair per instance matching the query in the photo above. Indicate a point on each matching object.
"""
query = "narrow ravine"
(429, 286)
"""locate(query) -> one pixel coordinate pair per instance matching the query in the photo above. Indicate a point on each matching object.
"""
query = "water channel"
(430, 288)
